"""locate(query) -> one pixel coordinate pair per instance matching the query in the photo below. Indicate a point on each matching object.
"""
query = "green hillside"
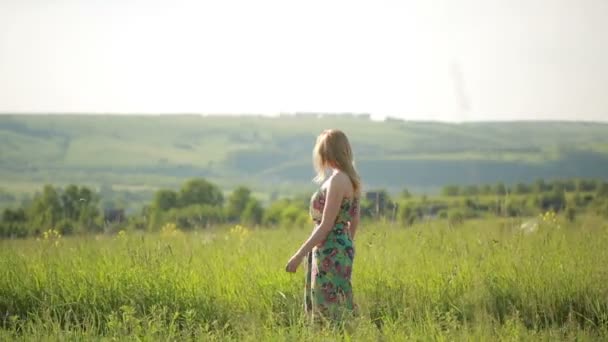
(274, 154)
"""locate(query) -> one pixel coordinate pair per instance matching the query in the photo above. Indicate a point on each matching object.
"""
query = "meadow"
(481, 280)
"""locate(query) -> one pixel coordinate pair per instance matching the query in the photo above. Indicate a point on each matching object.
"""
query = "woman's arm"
(333, 200)
(335, 192)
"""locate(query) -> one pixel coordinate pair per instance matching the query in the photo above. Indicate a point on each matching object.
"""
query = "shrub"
(456, 217)
(570, 214)
(407, 214)
(253, 212)
(65, 227)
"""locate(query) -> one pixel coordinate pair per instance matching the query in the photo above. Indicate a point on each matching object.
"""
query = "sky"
(447, 60)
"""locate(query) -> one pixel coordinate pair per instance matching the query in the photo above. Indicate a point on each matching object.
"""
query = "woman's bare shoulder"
(340, 180)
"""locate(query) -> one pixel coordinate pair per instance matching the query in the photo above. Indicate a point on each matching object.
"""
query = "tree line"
(539, 186)
(200, 204)
(458, 203)
(71, 210)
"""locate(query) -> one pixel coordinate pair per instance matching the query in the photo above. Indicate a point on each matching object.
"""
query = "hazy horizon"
(440, 60)
(373, 117)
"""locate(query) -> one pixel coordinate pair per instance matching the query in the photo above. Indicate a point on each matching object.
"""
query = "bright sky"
(451, 60)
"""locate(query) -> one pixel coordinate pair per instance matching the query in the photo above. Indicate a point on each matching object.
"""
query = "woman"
(335, 210)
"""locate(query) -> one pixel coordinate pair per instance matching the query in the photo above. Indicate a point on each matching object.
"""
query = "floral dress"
(328, 291)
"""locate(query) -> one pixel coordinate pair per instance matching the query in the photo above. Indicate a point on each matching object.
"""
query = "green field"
(451, 266)
(484, 280)
(274, 154)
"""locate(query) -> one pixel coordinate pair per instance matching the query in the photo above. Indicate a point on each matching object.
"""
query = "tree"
(470, 190)
(293, 215)
(79, 204)
(486, 189)
(450, 190)
(86, 195)
(253, 212)
(70, 200)
(194, 216)
(500, 189)
(585, 185)
(569, 185)
(14, 223)
(521, 189)
(88, 210)
(272, 215)
(200, 191)
(75, 204)
(237, 202)
(46, 209)
(407, 214)
(285, 212)
(554, 200)
(165, 199)
(16, 215)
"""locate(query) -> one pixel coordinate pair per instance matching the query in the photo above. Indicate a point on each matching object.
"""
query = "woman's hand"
(293, 263)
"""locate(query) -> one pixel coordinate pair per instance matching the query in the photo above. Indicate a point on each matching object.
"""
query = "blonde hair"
(332, 149)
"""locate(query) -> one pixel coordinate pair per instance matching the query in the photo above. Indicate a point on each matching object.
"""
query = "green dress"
(328, 291)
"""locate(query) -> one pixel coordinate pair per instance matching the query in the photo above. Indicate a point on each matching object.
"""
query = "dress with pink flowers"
(328, 291)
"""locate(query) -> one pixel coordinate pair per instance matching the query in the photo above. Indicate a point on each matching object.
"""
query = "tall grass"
(482, 280)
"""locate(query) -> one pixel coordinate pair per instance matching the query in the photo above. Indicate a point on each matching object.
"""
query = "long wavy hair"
(333, 149)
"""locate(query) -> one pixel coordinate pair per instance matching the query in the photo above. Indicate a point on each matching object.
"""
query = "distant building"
(378, 199)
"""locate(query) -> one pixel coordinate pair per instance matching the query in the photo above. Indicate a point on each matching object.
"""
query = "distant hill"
(274, 154)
